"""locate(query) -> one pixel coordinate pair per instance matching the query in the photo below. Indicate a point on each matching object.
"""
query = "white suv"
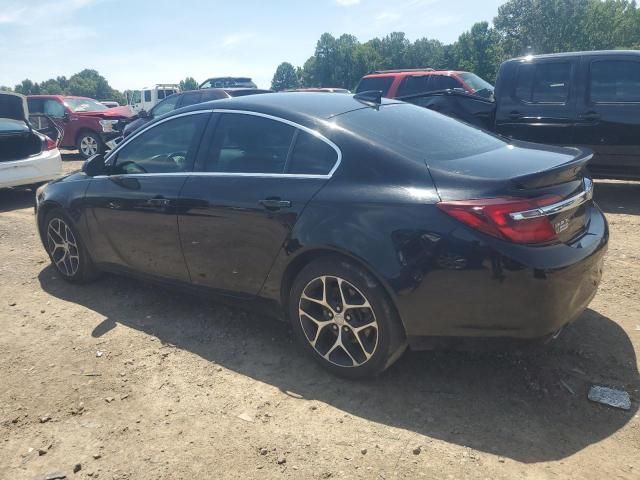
(27, 157)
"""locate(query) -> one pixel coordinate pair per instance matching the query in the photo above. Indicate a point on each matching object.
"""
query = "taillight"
(493, 217)
(49, 144)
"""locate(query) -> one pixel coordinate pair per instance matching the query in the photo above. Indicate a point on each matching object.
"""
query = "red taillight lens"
(492, 216)
(49, 144)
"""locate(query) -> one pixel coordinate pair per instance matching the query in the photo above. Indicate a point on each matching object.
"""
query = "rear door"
(132, 212)
(609, 113)
(246, 194)
(539, 104)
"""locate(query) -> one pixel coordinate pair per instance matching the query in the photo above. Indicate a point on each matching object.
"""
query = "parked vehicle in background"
(87, 124)
(321, 89)
(367, 224)
(228, 82)
(109, 103)
(146, 98)
(589, 99)
(400, 83)
(27, 157)
(184, 99)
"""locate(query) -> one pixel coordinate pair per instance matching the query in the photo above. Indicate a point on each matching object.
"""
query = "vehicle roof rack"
(372, 98)
(400, 70)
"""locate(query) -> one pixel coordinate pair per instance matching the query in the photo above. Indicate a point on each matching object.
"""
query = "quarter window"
(543, 83)
(249, 144)
(166, 148)
(615, 81)
(311, 156)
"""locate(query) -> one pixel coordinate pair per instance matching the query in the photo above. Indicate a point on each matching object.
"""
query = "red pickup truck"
(88, 125)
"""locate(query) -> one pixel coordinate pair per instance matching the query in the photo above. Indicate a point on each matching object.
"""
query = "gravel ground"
(127, 380)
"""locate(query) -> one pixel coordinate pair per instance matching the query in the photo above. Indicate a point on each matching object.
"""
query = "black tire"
(81, 270)
(89, 144)
(372, 353)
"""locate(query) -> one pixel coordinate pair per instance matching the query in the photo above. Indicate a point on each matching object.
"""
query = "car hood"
(13, 106)
(110, 113)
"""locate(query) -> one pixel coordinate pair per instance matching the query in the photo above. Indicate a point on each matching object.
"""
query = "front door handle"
(158, 202)
(589, 116)
(274, 203)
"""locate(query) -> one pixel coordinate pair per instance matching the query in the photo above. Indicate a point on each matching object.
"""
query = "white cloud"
(347, 3)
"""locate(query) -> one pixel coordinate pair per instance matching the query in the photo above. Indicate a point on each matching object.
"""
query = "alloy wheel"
(88, 146)
(63, 247)
(338, 321)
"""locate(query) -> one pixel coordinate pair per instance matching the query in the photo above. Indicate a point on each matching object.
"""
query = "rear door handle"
(274, 203)
(158, 202)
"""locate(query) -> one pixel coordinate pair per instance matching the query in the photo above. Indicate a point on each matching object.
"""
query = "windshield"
(481, 87)
(419, 133)
(84, 105)
(375, 83)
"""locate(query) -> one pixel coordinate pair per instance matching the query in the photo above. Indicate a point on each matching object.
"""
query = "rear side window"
(191, 99)
(615, 81)
(147, 95)
(444, 82)
(543, 82)
(53, 109)
(414, 84)
(166, 106)
(311, 155)
(249, 144)
(418, 133)
(375, 83)
(35, 105)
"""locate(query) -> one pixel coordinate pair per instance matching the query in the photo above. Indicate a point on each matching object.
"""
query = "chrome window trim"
(558, 207)
(234, 174)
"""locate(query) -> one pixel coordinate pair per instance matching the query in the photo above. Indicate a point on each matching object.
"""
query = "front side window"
(444, 82)
(249, 144)
(166, 106)
(53, 109)
(147, 95)
(166, 148)
(311, 156)
(615, 81)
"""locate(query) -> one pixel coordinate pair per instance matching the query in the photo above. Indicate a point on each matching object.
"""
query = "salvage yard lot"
(134, 381)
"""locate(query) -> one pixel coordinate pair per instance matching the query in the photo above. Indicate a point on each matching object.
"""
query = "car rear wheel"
(344, 318)
(66, 250)
(89, 144)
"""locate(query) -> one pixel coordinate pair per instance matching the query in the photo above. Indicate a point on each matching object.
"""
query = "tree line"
(521, 27)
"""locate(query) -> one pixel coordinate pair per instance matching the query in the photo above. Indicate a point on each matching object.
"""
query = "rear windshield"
(375, 83)
(419, 133)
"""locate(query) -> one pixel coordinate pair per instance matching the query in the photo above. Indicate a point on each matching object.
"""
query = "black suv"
(184, 99)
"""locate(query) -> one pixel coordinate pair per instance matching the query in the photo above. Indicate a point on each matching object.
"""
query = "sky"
(137, 43)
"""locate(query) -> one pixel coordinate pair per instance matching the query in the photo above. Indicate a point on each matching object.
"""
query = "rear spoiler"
(560, 174)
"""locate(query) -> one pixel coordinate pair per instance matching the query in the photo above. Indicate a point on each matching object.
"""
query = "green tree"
(188, 83)
(27, 87)
(4, 88)
(285, 78)
(479, 51)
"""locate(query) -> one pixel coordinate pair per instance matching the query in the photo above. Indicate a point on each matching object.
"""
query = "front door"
(541, 105)
(132, 212)
(609, 113)
(245, 196)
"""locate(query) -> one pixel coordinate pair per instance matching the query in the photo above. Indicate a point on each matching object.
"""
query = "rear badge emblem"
(561, 226)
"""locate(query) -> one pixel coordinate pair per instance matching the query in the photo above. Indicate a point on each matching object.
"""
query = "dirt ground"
(132, 381)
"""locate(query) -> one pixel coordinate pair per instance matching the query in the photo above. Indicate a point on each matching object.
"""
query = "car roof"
(61, 97)
(410, 73)
(300, 107)
(576, 54)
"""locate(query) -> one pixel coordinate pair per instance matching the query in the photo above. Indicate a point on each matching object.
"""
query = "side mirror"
(95, 165)
(66, 117)
(143, 114)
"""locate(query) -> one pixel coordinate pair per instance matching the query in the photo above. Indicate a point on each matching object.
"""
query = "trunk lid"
(555, 175)
(13, 106)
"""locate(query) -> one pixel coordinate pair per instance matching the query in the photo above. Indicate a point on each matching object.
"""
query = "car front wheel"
(89, 144)
(344, 318)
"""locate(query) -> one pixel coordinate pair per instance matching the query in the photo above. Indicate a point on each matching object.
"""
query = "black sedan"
(368, 224)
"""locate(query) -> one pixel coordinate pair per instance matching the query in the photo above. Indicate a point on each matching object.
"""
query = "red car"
(88, 125)
(400, 83)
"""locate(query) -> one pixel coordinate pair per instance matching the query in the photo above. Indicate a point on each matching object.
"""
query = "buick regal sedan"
(367, 224)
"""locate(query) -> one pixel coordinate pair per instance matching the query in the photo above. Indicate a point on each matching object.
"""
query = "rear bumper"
(499, 290)
(36, 169)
